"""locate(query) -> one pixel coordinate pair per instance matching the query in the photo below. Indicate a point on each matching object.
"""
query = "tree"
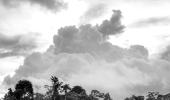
(65, 88)
(133, 97)
(23, 90)
(78, 93)
(49, 92)
(38, 96)
(9, 95)
(56, 87)
(78, 90)
(107, 97)
(94, 95)
(152, 95)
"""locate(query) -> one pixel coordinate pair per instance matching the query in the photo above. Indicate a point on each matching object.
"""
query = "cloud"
(53, 5)
(112, 26)
(149, 1)
(83, 56)
(129, 73)
(152, 21)
(93, 12)
(16, 45)
(166, 54)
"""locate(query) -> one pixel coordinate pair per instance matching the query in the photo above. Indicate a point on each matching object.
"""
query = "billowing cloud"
(53, 5)
(112, 26)
(93, 12)
(16, 45)
(166, 54)
(83, 56)
(153, 21)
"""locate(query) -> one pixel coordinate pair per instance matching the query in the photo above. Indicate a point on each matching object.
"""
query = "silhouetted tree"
(38, 96)
(78, 93)
(94, 94)
(23, 90)
(56, 87)
(9, 95)
(160, 97)
(133, 97)
(66, 88)
(49, 92)
(78, 90)
(152, 95)
(107, 97)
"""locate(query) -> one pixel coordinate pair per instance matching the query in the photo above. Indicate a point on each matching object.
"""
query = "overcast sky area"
(117, 46)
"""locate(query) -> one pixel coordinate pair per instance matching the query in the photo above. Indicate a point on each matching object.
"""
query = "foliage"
(23, 91)
(60, 91)
(133, 97)
(152, 95)
(78, 90)
(57, 91)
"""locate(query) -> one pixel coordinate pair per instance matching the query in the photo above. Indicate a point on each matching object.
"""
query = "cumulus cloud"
(112, 26)
(16, 45)
(93, 12)
(152, 21)
(53, 5)
(83, 56)
(166, 54)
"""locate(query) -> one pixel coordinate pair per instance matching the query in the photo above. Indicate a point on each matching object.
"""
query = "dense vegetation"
(57, 91)
(60, 91)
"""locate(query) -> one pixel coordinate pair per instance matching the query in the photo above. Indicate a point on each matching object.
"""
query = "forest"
(57, 91)
(60, 91)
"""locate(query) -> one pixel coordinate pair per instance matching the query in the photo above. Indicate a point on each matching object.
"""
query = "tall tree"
(23, 90)
(56, 87)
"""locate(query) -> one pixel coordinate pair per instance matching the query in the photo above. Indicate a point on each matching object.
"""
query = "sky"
(109, 45)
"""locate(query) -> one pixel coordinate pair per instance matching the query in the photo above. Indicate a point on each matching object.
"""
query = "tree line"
(60, 91)
(57, 91)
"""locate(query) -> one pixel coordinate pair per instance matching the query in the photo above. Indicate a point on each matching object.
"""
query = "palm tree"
(56, 87)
